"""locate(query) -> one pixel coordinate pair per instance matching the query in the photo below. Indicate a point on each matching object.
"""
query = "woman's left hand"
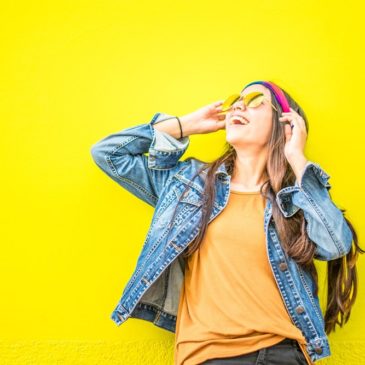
(295, 134)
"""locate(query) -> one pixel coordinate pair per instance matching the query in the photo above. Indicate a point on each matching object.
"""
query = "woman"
(229, 254)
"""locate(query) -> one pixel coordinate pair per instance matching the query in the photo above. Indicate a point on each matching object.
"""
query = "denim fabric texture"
(146, 162)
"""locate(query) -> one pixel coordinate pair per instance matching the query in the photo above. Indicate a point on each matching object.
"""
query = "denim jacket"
(159, 178)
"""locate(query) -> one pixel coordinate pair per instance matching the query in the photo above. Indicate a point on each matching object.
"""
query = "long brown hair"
(341, 272)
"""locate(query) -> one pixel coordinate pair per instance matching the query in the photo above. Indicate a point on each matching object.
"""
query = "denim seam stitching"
(114, 170)
(308, 291)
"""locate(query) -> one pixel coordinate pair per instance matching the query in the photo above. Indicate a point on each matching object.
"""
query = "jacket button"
(283, 266)
(299, 309)
(318, 350)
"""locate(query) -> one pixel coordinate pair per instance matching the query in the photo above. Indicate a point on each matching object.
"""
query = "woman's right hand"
(206, 119)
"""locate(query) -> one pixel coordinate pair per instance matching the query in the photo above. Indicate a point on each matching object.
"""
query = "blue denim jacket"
(159, 178)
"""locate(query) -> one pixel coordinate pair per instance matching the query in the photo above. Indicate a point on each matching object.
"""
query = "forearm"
(298, 164)
(171, 126)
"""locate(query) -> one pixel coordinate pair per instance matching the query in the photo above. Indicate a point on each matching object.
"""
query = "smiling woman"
(209, 273)
(262, 154)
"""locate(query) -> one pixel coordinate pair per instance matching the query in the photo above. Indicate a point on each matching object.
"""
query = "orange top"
(230, 303)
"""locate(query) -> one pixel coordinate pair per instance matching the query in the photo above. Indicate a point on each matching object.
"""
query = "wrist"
(187, 125)
(297, 163)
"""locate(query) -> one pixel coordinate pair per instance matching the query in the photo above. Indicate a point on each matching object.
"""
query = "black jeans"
(286, 352)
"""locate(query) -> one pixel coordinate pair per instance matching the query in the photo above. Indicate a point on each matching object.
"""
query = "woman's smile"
(238, 120)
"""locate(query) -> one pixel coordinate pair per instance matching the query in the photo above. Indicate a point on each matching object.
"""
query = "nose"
(239, 104)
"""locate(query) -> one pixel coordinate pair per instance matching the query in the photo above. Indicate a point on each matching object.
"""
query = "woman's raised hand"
(206, 119)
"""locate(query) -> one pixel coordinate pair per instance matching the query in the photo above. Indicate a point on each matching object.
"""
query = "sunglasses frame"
(241, 97)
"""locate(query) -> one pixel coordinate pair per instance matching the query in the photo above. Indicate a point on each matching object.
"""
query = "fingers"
(286, 119)
(293, 123)
(288, 132)
(218, 103)
(220, 111)
(221, 117)
(221, 125)
(294, 118)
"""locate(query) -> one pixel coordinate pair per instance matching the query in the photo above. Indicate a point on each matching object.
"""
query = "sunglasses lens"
(254, 99)
(230, 101)
(251, 100)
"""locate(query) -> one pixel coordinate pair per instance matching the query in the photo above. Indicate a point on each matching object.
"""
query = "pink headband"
(279, 95)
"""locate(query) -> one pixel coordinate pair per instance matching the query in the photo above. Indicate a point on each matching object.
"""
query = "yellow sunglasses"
(251, 100)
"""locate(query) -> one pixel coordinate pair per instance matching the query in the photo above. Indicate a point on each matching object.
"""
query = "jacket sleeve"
(326, 225)
(121, 156)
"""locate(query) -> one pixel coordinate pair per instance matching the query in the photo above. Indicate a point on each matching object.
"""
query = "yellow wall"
(73, 72)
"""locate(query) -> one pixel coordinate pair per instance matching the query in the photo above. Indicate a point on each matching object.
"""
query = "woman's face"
(257, 132)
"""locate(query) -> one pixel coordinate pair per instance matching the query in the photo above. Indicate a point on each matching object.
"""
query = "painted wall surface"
(73, 72)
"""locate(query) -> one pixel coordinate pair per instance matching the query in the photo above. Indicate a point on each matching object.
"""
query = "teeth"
(237, 117)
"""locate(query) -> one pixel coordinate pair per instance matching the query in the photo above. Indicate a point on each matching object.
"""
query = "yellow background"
(73, 72)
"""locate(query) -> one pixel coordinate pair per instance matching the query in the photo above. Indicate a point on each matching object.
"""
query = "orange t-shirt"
(230, 303)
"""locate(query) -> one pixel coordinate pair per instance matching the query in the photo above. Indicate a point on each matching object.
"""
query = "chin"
(236, 141)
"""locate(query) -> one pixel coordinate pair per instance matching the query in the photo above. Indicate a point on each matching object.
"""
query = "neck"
(249, 171)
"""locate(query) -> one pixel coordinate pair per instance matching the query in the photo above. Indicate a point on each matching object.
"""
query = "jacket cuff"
(313, 177)
(165, 150)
